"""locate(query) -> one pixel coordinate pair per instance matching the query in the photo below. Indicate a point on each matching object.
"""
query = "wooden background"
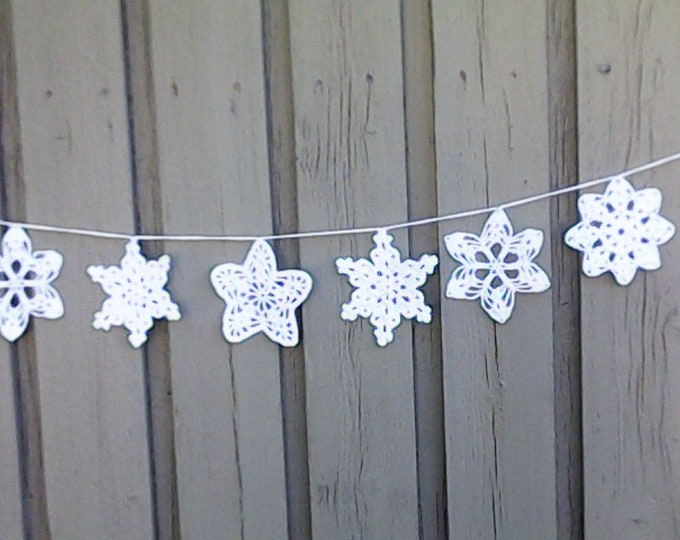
(247, 117)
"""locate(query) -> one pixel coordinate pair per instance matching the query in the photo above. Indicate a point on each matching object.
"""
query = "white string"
(339, 232)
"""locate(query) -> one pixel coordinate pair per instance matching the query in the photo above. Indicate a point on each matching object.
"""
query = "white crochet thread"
(260, 298)
(386, 288)
(25, 289)
(620, 230)
(496, 265)
(136, 294)
(337, 232)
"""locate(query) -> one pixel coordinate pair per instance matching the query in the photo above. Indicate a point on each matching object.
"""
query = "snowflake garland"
(620, 231)
(496, 265)
(136, 294)
(386, 288)
(25, 289)
(260, 298)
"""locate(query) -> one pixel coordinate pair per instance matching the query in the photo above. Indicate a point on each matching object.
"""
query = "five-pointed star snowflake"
(260, 298)
(25, 289)
(136, 293)
(496, 265)
(386, 288)
(620, 230)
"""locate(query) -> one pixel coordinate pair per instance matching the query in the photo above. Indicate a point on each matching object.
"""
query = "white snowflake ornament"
(136, 294)
(620, 231)
(496, 265)
(260, 298)
(25, 289)
(386, 288)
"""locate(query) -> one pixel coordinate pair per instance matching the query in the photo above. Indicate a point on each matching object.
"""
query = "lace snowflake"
(136, 294)
(496, 265)
(386, 288)
(25, 289)
(620, 230)
(260, 298)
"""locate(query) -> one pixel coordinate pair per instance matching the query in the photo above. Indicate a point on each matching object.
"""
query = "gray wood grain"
(347, 80)
(250, 117)
(11, 521)
(562, 118)
(628, 106)
(283, 180)
(492, 146)
(76, 168)
(19, 431)
(147, 203)
(212, 143)
(422, 202)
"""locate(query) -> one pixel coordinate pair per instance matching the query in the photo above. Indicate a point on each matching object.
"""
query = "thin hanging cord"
(338, 232)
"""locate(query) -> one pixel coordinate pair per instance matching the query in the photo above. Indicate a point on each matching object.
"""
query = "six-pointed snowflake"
(386, 288)
(136, 293)
(25, 289)
(620, 230)
(496, 265)
(260, 298)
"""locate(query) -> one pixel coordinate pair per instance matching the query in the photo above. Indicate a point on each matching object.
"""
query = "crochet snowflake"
(496, 265)
(386, 288)
(260, 298)
(620, 230)
(25, 289)
(136, 294)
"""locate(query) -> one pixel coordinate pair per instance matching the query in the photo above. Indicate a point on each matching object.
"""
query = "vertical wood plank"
(77, 173)
(566, 309)
(628, 106)
(492, 145)
(212, 143)
(11, 521)
(348, 89)
(16, 512)
(283, 179)
(422, 202)
(148, 210)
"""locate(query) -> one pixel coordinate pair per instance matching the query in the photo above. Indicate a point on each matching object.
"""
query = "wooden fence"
(247, 116)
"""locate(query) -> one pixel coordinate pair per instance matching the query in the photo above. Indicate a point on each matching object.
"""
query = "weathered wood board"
(421, 170)
(11, 522)
(566, 299)
(214, 178)
(628, 111)
(347, 80)
(76, 167)
(218, 117)
(11, 465)
(492, 135)
(283, 179)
